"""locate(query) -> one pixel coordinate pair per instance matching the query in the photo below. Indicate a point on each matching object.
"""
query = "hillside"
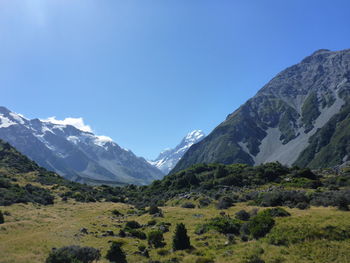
(233, 213)
(299, 117)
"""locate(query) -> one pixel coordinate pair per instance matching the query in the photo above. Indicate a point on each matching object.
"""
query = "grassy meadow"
(31, 231)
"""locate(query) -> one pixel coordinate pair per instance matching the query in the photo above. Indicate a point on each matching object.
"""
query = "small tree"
(116, 254)
(155, 239)
(2, 220)
(181, 240)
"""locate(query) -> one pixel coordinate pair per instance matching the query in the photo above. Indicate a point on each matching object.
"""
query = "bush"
(204, 202)
(286, 235)
(302, 205)
(254, 258)
(156, 239)
(225, 202)
(116, 253)
(2, 220)
(163, 226)
(154, 210)
(188, 205)
(342, 203)
(163, 252)
(122, 233)
(152, 222)
(224, 225)
(116, 212)
(242, 215)
(73, 254)
(260, 225)
(204, 260)
(137, 233)
(181, 240)
(132, 225)
(277, 212)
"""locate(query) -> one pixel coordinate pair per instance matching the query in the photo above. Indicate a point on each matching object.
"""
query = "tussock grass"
(31, 231)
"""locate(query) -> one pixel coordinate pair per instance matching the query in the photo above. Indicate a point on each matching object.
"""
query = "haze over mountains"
(73, 153)
(167, 159)
(301, 117)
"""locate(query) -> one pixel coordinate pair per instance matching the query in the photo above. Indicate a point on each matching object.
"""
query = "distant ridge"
(75, 154)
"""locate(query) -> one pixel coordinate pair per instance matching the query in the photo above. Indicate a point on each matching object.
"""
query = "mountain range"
(301, 117)
(77, 155)
(167, 159)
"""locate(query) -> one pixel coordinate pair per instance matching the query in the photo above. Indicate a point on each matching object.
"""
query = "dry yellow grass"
(31, 231)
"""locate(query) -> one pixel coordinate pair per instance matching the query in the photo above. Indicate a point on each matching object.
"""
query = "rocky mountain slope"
(301, 117)
(74, 154)
(167, 159)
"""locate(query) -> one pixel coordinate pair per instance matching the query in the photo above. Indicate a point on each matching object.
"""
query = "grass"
(31, 231)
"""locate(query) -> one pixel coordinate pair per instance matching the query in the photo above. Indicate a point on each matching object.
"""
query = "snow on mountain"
(69, 148)
(168, 158)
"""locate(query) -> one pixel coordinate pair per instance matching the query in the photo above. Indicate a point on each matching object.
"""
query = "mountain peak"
(194, 135)
(69, 148)
(297, 118)
(168, 158)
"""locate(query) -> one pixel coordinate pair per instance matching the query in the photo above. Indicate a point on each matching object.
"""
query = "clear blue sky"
(147, 72)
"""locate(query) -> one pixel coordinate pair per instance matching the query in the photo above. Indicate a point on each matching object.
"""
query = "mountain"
(301, 117)
(167, 159)
(75, 154)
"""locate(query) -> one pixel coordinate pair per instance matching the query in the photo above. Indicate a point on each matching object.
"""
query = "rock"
(198, 215)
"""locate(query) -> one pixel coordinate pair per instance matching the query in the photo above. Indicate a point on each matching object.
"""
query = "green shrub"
(136, 233)
(277, 212)
(342, 203)
(242, 215)
(155, 239)
(122, 233)
(252, 259)
(163, 252)
(254, 256)
(260, 225)
(284, 235)
(73, 254)
(132, 225)
(152, 222)
(225, 202)
(201, 229)
(204, 260)
(116, 253)
(302, 205)
(2, 220)
(224, 225)
(116, 212)
(181, 240)
(188, 205)
(154, 210)
(164, 226)
(204, 202)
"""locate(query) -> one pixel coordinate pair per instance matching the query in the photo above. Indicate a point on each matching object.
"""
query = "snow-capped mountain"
(167, 159)
(76, 154)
